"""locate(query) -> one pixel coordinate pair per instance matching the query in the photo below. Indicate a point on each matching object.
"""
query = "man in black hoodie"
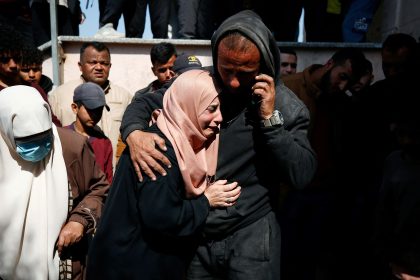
(263, 143)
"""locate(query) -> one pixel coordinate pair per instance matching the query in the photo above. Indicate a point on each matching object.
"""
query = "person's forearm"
(129, 129)
(136, 117)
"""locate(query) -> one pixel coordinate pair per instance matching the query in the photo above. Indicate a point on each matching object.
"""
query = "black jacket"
(138, 113)
(258, 158)
(147, 229)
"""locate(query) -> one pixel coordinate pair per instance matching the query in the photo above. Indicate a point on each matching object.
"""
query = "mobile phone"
(255, 99)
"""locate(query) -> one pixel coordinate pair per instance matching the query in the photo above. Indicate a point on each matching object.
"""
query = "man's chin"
(98, 81)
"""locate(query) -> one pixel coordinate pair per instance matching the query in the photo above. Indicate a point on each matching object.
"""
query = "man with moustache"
(307, 215)
(95, 65)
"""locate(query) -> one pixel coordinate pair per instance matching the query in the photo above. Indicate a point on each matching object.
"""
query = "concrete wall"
(131, 57)
(401, 16)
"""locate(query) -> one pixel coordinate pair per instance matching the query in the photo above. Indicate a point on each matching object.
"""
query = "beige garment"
(33, 196)
(116, 97)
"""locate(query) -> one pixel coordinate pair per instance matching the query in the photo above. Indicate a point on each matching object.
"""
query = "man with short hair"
(31, 69)
(163, 57)
(11, 45)
(344, 68)
(398, 54)
(11, 49)
(288, 64)
(308, 215)
(95, 64)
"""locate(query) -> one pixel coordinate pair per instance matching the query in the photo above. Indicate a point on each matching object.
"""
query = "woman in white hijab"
(33, 186)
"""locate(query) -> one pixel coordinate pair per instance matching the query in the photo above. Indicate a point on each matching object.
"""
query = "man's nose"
(234, 82)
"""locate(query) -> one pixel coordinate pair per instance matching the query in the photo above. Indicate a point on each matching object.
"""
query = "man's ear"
(74, 107)
(329, 64)
(80, 66)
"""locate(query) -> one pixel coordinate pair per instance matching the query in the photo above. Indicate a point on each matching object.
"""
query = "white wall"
(131, 58)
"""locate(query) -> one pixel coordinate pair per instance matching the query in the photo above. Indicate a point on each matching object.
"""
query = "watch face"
(275, 119)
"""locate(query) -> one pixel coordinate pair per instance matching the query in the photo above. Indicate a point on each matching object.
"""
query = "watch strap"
(275, 119)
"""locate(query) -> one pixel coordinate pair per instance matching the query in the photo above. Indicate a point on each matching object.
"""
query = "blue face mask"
(35, 150)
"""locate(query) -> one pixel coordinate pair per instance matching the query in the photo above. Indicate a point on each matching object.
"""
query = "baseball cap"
(90, 95)
(184, 62)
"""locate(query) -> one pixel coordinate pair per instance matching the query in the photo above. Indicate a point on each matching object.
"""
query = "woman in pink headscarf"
(149, 229)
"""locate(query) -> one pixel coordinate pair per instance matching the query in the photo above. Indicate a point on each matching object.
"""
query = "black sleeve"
(163, 207)
(138, 113)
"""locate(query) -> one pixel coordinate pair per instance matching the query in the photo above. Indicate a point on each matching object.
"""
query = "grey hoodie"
(259, 158)
(250, 24)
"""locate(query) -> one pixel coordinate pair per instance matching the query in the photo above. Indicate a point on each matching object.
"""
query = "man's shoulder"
(71, 142)
(69, 135)
(141, 92)
(148, 94)
(293, 79)
(146, 89)
(66, 87)
(119, 89)
(288, 102)
(97, 132)
(285, 94)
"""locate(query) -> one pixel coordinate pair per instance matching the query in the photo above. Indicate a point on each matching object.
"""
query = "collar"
(106, 87)
(312, 89)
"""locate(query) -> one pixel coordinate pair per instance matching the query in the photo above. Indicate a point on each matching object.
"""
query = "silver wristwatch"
(275, 119)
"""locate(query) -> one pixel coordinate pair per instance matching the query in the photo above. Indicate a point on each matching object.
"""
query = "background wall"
(131, 57)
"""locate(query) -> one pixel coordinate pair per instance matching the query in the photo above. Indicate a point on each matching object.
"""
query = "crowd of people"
(245, 169)
(325, 20)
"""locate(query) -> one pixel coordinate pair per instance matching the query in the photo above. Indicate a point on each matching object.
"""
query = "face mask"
(36, 150)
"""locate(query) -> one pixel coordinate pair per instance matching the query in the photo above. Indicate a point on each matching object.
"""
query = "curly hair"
(11, 41)
(31, 56)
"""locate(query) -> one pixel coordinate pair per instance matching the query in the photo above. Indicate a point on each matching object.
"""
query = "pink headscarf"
(187, 98)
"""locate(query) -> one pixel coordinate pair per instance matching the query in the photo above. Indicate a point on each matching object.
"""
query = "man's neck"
(104, 86)
(79, 128)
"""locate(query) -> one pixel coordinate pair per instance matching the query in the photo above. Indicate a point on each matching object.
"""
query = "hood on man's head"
(251, 26)
(91, 95)
(185, 62)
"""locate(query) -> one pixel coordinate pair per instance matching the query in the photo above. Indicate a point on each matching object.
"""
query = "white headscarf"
(33, 196)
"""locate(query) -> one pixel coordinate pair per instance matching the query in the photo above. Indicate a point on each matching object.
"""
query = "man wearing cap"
(144, 103)
(95, 64)
(88, 105)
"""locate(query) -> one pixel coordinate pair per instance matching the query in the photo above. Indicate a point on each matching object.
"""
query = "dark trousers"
(110, 11)
(66, 22)
(252, 252)
(195, 19)
(285, 22)
(18, 15)
(134, 12)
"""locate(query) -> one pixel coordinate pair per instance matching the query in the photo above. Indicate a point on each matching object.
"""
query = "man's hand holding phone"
(264, 93)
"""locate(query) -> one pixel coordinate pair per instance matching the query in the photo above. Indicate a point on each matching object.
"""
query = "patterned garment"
(66, 265)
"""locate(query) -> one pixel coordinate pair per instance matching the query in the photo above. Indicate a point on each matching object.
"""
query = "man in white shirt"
(95, 64)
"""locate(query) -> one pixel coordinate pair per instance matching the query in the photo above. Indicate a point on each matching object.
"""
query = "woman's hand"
(221, 194)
